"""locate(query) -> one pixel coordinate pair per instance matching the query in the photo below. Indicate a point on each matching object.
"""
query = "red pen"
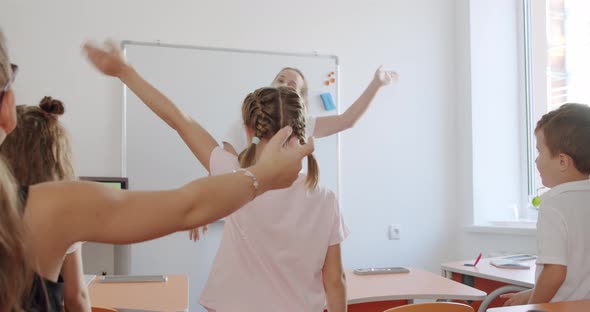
(476, 261)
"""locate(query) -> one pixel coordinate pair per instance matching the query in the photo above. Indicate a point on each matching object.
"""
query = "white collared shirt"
(563, 237)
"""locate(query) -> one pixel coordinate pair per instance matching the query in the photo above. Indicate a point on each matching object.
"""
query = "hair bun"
(52, 106)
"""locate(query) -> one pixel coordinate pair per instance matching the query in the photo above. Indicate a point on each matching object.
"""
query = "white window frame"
(536, 88)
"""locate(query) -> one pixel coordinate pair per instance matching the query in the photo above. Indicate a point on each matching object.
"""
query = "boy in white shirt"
(563, 227)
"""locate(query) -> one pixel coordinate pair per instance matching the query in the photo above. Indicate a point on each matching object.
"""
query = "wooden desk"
(169, 296)
(567, 306)
(488, 278)
(380, 292)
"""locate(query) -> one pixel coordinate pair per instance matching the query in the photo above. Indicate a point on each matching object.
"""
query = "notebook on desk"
(509, 264)
(373, 271)
(522, 257)
(132, 278)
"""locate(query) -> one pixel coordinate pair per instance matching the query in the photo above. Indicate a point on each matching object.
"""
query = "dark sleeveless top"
(37, 300)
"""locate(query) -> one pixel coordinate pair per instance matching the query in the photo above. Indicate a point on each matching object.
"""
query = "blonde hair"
(304, 88)
(266, 111)
(15, 270)
(4, 62)
(38, 150)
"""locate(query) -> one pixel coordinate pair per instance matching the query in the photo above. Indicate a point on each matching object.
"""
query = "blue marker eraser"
(328, 101)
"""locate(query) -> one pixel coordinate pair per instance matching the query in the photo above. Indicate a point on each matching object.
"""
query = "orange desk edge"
(170, 296)
(417, 284)
(566, 306)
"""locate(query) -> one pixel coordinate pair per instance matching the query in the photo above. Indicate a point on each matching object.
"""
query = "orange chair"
(432, 307)
(100, 309)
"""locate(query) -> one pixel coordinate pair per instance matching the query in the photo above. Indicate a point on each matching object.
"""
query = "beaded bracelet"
(251, 175)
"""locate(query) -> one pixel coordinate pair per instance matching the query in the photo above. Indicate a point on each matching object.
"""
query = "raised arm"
(329, 125)
(86, 211)
(123, 217)
(109, 60)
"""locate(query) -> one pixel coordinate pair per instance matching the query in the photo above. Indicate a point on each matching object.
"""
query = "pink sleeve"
(339, 229)
(222, 162)
(236, 137)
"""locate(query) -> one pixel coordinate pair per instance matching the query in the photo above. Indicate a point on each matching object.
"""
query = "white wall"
(400, 164)
(98, 258)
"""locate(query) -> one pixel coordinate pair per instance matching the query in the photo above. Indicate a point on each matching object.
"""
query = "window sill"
(528, 228)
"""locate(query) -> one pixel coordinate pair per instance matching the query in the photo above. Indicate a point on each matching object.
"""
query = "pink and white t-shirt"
(273, 249)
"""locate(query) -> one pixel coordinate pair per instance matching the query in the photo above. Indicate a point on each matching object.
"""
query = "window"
(496, 112)
(520, 51)
(557, 65)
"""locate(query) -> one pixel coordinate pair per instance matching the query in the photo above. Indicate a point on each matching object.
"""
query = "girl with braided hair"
(281, 251)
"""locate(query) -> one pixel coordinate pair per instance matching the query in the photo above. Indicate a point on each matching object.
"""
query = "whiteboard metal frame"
(126, 43)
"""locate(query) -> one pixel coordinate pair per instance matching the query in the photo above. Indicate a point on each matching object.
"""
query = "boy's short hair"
(567, 130)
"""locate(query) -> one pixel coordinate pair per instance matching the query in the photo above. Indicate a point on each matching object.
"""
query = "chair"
(496, 293)
(432, 307)
(101, 309)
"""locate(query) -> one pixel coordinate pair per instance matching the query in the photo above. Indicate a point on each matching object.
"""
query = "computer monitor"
(114, 182)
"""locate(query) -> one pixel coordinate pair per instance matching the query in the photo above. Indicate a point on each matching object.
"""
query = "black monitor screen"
(114, 182)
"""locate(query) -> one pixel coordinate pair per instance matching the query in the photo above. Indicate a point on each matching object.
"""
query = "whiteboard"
(209, 84)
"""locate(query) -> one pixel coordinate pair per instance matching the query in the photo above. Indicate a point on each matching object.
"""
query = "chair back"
(432, 307)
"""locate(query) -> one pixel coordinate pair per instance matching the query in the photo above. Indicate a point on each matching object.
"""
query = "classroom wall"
(401, 164)
(490, 107)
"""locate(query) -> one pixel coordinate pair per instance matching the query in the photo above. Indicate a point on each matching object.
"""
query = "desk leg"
(482, 284)
(446, 274)
(378, 306)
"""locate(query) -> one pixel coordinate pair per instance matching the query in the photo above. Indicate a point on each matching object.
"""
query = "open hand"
(107, 58)
(194, 233)
(385, 77)
(518, 298)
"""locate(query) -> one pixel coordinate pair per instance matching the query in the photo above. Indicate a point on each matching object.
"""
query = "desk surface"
(417, 284)
(519, 277)
(171, 295)
(567, 306)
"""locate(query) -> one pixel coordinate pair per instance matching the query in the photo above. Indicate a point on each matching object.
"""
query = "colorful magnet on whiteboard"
(327, 82)
(328, 101)
(333, 80)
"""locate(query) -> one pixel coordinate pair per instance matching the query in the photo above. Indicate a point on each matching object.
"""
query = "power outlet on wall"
(393, 231)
